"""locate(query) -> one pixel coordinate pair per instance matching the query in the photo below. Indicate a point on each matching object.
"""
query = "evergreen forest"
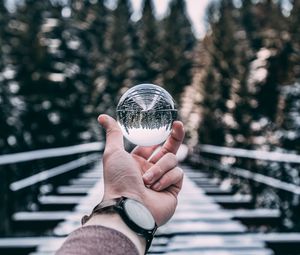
(63, 63)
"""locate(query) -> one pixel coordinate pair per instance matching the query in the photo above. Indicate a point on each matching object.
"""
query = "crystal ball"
(145, 114)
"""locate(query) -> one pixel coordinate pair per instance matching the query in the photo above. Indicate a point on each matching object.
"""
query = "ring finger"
(165, 164)
(173, 177)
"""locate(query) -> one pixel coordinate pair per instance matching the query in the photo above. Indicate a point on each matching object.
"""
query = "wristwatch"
(136, 216)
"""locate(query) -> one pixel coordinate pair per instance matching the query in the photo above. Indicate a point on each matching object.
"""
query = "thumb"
(114, 136)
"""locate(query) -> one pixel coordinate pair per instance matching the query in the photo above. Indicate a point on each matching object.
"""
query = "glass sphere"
(145, 114)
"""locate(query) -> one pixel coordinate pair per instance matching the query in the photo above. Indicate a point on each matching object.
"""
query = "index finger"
(144, 152)
(173, 142)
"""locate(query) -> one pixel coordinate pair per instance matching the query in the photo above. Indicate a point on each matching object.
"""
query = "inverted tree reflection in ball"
(145, 114)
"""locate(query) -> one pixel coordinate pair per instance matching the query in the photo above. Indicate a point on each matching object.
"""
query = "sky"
(195, 8)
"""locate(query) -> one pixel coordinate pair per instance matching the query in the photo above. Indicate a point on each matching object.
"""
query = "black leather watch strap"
(117, 205)
(107, 206)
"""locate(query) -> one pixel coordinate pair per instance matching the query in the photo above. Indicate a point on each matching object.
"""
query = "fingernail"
(148, 176)
(156, 186)
(102, 119)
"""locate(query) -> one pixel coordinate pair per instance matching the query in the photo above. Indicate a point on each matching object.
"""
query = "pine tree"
(149, 43)
(249, 23)
(242, 103)
(221, 72)
(55, 77)
(273, 27)
(290, 96)
(257, 24)
(98, 54)
(27, 56)
(124, 68)
(95, 19)
(223, 54)
(294, 31)
(5, 96)
(266, 35)
(290, 128)
(177, 49)
(5, 109)
(211, 129)
(88, 25)
(71, 74)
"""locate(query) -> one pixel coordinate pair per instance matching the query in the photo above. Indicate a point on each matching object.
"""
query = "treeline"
(246, 94)
(63, 64)
(247, 76)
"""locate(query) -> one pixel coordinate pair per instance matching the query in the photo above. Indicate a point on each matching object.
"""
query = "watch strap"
(107, 206)
(116, 205)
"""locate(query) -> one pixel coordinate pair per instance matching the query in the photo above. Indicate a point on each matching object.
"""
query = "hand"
(155, 183)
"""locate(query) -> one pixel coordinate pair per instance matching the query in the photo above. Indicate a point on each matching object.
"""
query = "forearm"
(95, 240)
(114, 221)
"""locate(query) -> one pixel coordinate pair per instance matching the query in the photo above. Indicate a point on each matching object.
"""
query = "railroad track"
(211, 219)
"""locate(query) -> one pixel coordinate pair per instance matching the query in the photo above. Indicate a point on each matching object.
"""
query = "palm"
(144, 164)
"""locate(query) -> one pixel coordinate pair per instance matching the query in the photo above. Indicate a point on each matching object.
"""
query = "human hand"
(155, 182)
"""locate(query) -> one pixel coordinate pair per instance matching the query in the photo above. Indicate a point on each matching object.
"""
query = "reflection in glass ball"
(145, 114)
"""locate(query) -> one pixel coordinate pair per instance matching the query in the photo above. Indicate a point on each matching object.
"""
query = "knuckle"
(106, 154)
(175, 160)
(112, 130)
(158, 171)
(169, 155)
(172, 158)
(167, 180)
(164, 182)
(181, 173)
(165, 150)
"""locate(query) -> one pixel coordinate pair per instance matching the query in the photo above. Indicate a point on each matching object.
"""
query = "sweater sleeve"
(96, 240)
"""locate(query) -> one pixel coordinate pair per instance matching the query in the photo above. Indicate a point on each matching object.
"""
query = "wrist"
(114, 221)
(109, 194)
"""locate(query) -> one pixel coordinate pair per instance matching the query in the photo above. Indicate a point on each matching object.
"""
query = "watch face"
(139, 214)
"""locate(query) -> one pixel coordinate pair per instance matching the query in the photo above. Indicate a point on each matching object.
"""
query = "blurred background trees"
(64, 62)
(250, 75)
